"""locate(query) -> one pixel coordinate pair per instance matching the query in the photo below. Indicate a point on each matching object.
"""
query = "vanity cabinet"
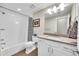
(43, 48)
(51, 48)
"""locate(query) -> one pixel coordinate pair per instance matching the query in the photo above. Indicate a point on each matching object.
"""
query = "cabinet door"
(46, 48)
(56, 52)
(61, 49)
(43, 49)
(60, 52)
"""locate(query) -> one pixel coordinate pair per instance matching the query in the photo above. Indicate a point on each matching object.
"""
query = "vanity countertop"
(59, 39)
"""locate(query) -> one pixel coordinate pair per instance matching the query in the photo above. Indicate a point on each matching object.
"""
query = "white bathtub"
(13, 49)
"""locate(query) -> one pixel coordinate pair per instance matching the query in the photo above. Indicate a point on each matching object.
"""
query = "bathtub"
(9, 51)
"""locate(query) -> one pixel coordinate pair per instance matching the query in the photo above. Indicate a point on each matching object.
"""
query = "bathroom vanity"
(56, 46)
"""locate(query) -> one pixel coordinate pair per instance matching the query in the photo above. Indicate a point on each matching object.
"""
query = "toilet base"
(28, 51)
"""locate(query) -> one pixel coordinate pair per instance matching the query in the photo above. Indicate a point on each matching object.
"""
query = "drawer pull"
(52, 50)
(48, 49)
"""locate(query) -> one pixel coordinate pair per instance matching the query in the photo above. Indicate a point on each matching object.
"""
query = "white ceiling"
(26, 7)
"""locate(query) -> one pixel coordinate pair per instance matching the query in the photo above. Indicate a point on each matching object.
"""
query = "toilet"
(30, 46)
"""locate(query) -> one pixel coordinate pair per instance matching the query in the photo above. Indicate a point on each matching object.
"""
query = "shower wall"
(13, 31)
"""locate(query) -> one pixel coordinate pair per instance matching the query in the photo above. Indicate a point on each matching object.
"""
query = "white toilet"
(30, 46)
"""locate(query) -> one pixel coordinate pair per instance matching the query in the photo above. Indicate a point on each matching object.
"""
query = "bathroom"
(30, 30)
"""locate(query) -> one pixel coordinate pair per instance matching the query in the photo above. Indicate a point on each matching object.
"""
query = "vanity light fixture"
(55, 9)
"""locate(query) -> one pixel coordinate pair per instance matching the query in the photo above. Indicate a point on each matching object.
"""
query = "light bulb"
(54, 9)
(18, 9)
(49, 11)
(61, 7)
(17, 22)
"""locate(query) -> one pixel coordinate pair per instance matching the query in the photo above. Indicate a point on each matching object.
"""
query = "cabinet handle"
(48, 49)
(52, 50)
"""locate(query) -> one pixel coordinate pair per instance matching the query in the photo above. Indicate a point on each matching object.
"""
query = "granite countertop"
(59, 39)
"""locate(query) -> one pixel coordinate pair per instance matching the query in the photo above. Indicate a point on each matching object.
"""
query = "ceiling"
(26, 8)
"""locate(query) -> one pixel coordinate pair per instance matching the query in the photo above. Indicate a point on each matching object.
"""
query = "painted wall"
(39, 30)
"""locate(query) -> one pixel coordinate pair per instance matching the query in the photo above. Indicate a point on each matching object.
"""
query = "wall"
(39, 30)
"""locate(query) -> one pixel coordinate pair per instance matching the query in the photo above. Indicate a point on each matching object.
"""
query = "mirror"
(58, 22)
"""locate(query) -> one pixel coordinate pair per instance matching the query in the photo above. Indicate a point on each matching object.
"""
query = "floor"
(22, 53)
